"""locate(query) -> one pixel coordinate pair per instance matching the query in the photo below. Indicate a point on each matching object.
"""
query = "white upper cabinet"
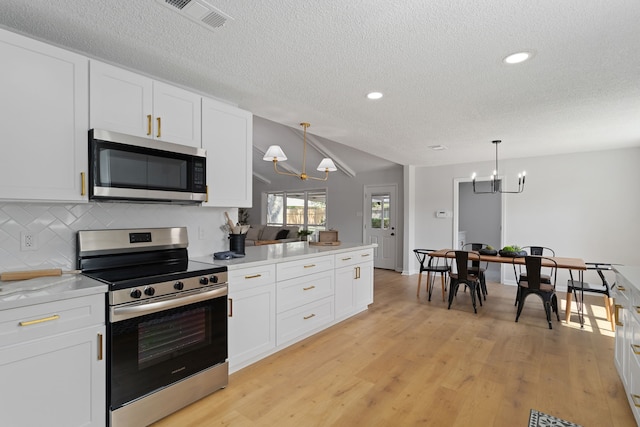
(44, 110)
(227, 135)
(126, 102)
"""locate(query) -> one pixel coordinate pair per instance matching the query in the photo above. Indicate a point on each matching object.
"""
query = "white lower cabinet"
(252, 314)
(627, 344)
(354, 282)
(52, 364)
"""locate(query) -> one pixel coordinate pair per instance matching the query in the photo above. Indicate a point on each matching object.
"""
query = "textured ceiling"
(439, 64)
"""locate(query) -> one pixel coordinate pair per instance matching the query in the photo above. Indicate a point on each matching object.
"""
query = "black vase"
(236, 243)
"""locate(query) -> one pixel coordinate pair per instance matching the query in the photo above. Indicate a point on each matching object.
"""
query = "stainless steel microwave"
(130, 168)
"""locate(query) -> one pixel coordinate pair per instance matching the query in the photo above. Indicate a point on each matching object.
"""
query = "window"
(305, 209)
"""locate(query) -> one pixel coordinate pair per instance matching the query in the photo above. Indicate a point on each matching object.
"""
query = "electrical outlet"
(28, 241)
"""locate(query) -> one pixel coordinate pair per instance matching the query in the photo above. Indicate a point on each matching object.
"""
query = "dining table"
(568, 263)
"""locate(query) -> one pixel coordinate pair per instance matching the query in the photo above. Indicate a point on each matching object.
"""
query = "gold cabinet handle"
(36, 321)
(309, 288)
(365, 255)
(159, 127)
(255, 276)
(637, 309)
(149, 124)
(309, 316)
(83, 186)
(230, 307)
(636, 349)
(621, 288)
(636, 400)
(206, 197)
(99, 346)
(617, 314)
(346, 259)
(357, 272)
(309, 266)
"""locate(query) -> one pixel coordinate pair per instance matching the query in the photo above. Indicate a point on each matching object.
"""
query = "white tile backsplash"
(55, 225)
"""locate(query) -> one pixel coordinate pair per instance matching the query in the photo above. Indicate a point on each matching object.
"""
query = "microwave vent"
(199, 11)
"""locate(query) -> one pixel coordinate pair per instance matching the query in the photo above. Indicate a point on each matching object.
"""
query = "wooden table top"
(563, 262)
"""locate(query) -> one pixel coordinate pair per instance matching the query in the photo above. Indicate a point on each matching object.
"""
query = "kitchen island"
(283, 293)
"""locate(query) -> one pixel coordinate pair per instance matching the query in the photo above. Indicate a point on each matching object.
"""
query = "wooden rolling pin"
(24, 275)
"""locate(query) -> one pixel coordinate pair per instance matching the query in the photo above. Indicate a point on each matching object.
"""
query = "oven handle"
(137, 310)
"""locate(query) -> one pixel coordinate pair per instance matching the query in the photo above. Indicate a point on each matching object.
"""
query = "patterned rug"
(540, 419)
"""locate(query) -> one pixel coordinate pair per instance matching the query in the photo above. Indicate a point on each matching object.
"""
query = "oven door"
(155, 343)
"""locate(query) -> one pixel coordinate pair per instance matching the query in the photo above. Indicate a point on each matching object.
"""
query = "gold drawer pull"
(346, 259)
(635, 348)
(44, 319)
(309, 266)
(309, 316)
(159, 127)
(638, 309)
(617, 314)
(149, 124)
(309, 288)
(255, 276)
(621, 288)
(365, 254)
(230, 307)
(636, 400)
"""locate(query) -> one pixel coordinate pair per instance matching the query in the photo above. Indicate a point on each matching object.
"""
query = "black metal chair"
(464, 275)
(430, 267)
(536, 251)
(534, 285)
(577, 288)
(475, 267)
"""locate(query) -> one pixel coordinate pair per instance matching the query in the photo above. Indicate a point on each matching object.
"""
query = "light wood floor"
(409, 362)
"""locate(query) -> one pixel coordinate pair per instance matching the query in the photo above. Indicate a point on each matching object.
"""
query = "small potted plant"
(304, 234)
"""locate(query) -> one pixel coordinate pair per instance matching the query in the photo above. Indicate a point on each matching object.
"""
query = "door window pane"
(380, 211)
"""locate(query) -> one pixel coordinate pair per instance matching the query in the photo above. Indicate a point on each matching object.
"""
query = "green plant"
(512, 248)
(304, 232)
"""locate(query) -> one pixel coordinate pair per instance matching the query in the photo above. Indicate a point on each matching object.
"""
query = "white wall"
(582, 205)
(55, 225)
(345, 200)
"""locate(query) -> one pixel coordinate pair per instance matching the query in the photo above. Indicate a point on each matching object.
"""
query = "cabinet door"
(364, 285)
(345, 296)
(227, 135)
(121, 101)
(44, 112)
(56, 381)
(252, 324)
(177, 115)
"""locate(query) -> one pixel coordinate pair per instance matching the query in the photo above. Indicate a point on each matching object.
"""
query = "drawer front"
(293, 293)
(632, 384)
(291, 269)
(294, 323)
(246, 278)
(42, 320)
(352, 258)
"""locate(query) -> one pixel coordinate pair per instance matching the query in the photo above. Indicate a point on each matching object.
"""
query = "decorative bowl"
(512, 254)
(485, 251)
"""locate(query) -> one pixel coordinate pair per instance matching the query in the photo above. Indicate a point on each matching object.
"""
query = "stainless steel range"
(166, 321)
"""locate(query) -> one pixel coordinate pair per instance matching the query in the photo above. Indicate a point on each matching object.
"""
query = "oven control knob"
(213, 279)
(149, 291)
(135, 293)
(204, 281)
(178, 286)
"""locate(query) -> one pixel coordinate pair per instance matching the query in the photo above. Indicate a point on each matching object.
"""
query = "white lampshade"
(274, 152)
(327, 165)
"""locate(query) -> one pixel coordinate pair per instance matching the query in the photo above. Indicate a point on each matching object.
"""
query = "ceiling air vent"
(198, 11)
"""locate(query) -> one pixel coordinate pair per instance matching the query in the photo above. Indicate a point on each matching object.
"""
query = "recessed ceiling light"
(516, 58)
(374, 95)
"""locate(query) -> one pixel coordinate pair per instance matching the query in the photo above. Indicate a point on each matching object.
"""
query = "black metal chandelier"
(494, 184)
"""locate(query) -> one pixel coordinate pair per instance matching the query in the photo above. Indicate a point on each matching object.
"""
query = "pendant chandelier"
(494, 185)
(275, 154)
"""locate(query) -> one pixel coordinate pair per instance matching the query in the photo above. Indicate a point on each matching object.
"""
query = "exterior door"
(380, 224)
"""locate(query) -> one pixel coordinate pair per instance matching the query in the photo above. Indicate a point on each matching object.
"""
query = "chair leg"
(472, 292)
(567, 309)
(547, 310)
(442, 279)
(521, 298)
(419, 283)
(483, 283)
(479, 292)
(429, 285)
(608, 306)
(554, 301)
(453, 288)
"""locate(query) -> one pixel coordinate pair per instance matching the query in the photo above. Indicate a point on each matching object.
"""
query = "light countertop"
(280, 252)
(40, 290)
